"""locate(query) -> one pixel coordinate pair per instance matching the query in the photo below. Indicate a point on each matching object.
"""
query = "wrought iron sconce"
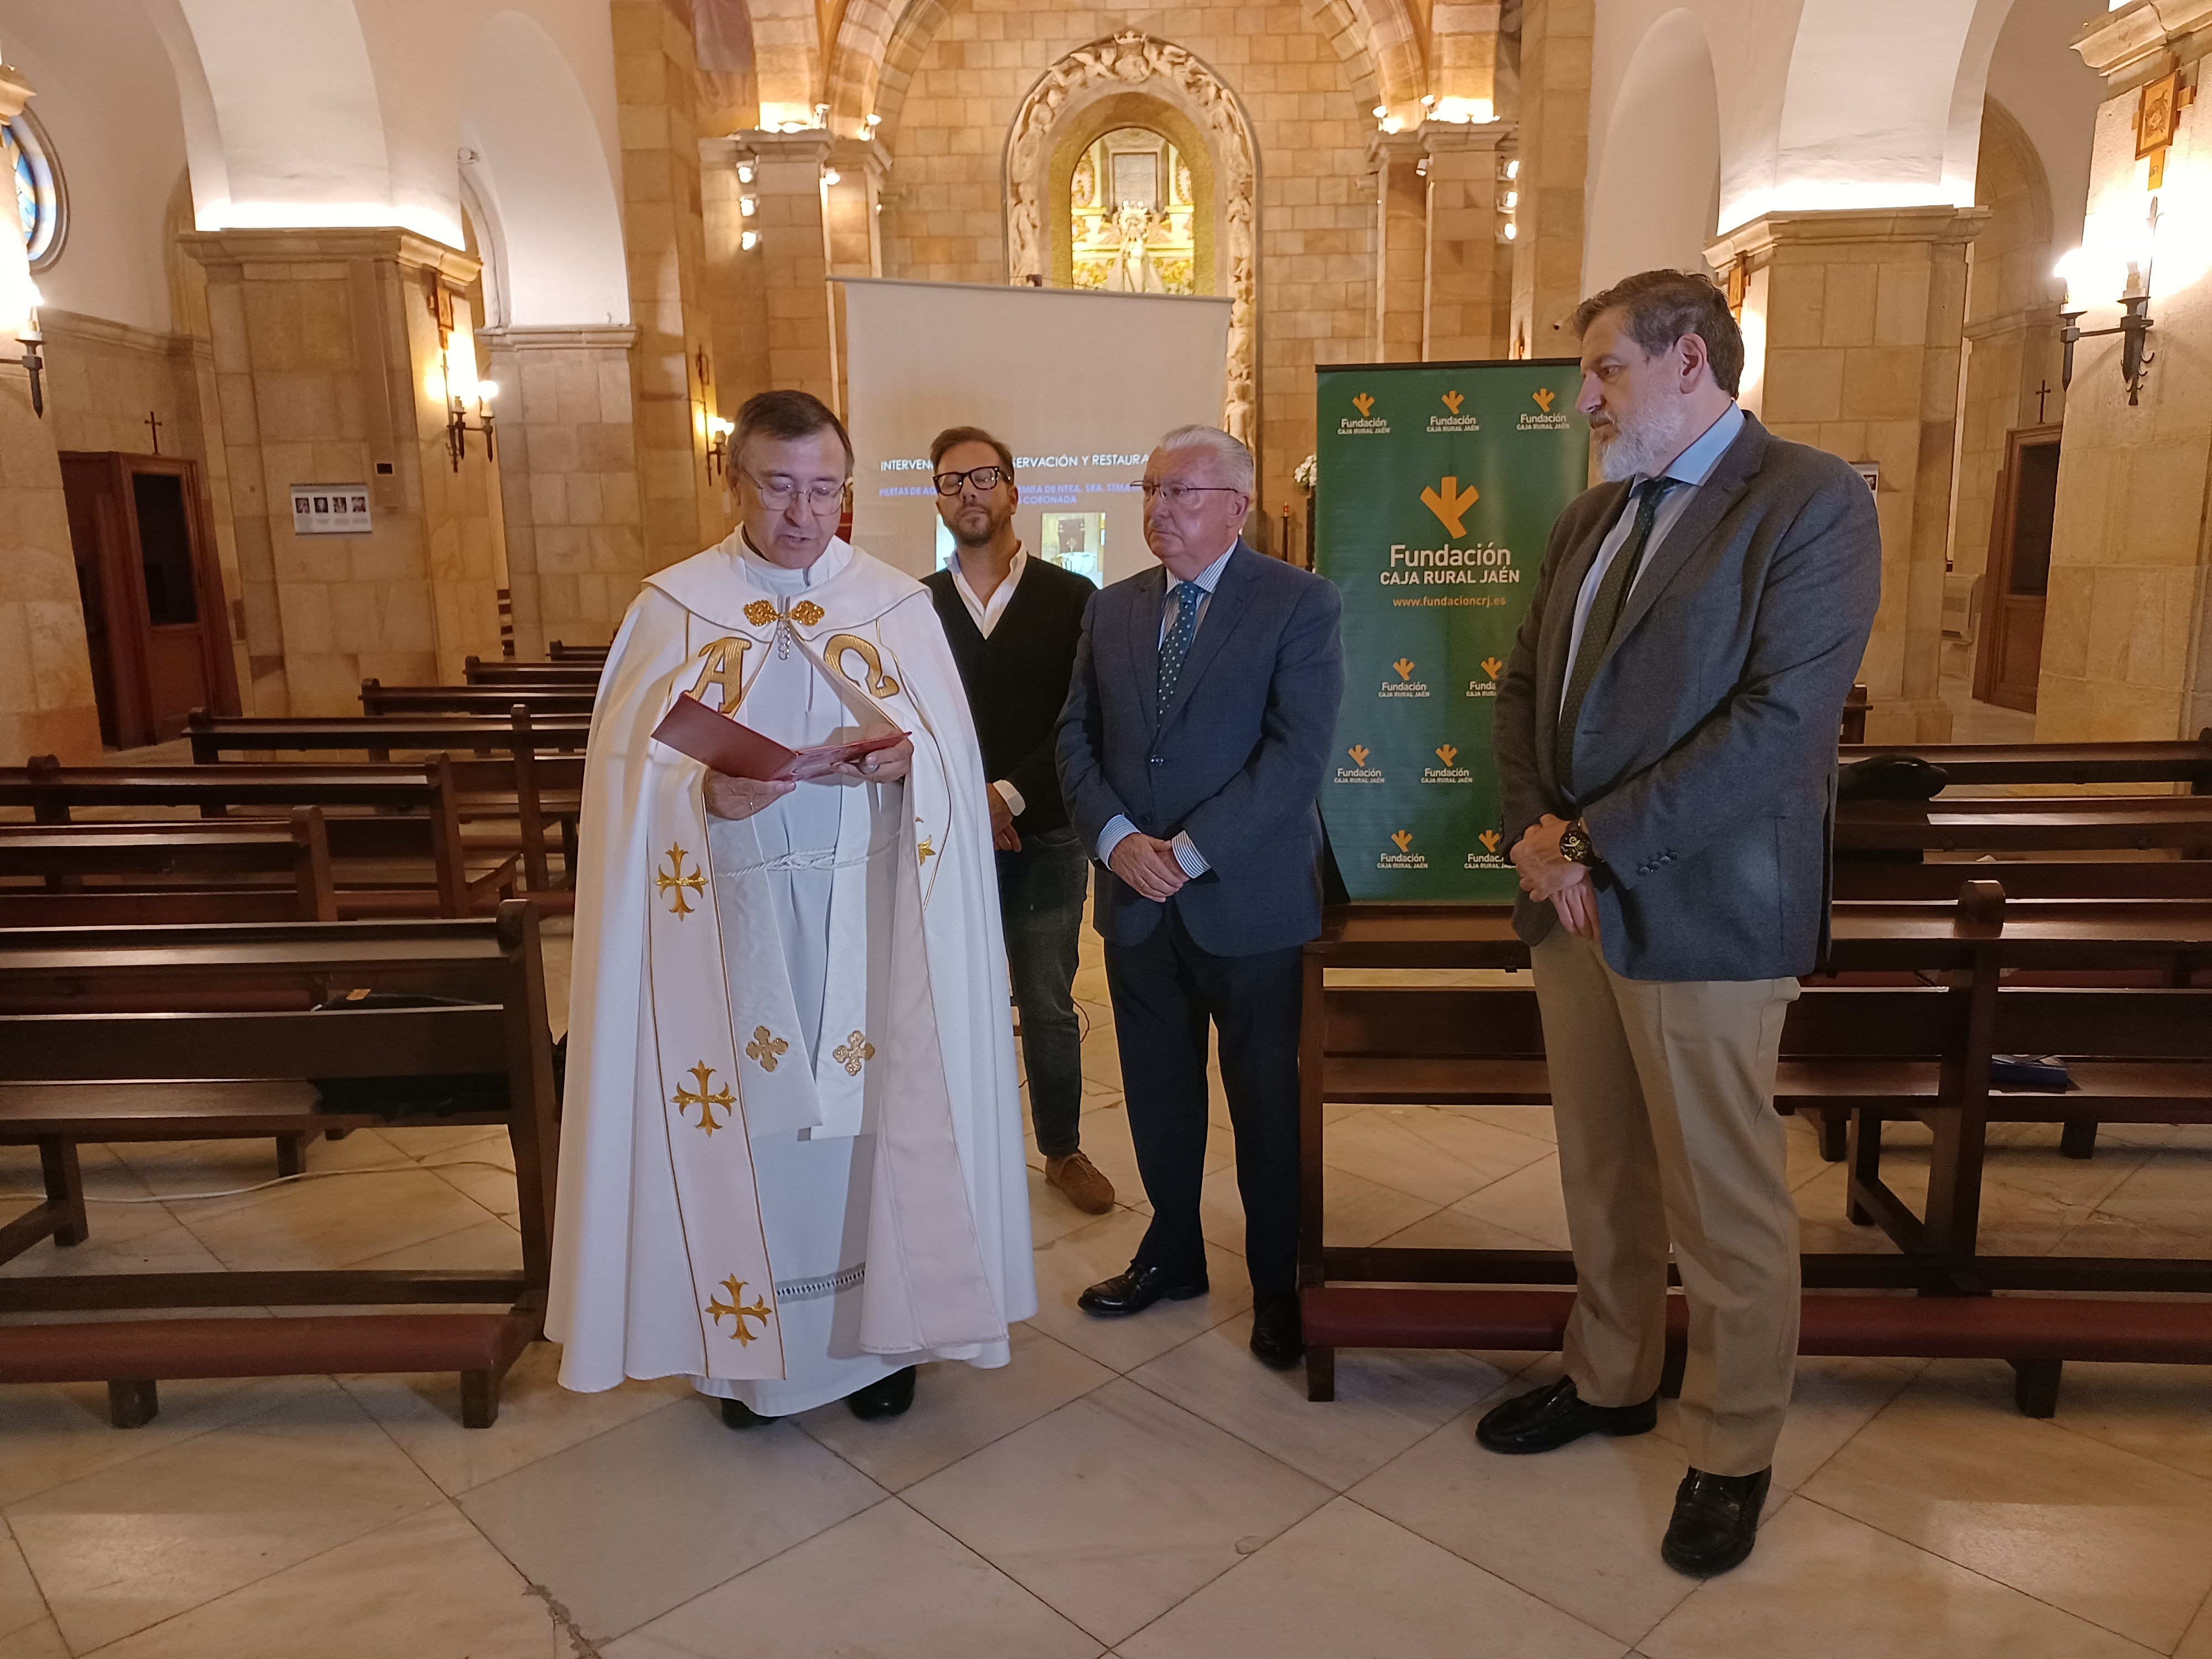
(458, 428)
(2134, 328)
(718, 446)
(31, 339)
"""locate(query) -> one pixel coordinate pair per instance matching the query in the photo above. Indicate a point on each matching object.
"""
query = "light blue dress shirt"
(1120, 828)
(1689, 469)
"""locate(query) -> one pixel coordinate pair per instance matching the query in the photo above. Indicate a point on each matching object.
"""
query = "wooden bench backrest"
(2135, 1023)
(215, 737)
(377, 698)
(2087, 878)
(183, 871)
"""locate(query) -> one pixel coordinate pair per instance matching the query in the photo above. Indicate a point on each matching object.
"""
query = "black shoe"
(736, 1414)
(1553, 1415)
(1276, 1337)
(1139, 1288)
(1715, 1521)
(888, 1398)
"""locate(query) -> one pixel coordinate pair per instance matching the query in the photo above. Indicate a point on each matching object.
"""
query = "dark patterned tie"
(1176, 645)
(1597, 628)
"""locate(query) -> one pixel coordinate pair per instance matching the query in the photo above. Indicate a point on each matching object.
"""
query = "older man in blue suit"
(1197, 728)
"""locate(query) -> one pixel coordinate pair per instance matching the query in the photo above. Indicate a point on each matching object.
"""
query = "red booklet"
(735, 750)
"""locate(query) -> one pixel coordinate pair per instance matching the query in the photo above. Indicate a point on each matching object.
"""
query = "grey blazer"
(1706, 746)
(1236, 759)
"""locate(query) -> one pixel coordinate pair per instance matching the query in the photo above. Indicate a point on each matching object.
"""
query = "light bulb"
(831, 175)
(749, 240)
(1512, 230)
(1513, 169)
(748, 205)
(487, 390)
(1512, 200)
(745, 172)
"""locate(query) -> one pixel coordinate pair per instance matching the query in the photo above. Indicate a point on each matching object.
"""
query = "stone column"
(1851, 324)
(1556, 39)
(1401, 211)
(46, 705)
(333, 351)
(665, 242)
(567, 464)
(795, 261)
(2127, 638)
(1463, 268)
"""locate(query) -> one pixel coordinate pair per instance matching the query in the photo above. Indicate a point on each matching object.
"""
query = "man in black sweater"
(1013, 621)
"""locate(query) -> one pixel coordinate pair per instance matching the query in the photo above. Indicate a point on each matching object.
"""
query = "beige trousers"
(1663, 1091)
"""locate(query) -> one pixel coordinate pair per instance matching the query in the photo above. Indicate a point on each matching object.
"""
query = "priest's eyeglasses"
(777, 494)
(984, 477)
(1180, 494)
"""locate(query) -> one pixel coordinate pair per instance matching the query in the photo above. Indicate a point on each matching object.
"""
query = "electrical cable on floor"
(280, 1181)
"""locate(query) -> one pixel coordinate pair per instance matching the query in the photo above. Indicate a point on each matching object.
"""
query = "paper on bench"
(735, 750)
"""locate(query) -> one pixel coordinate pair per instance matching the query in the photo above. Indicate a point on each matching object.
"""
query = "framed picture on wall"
(2154, 119)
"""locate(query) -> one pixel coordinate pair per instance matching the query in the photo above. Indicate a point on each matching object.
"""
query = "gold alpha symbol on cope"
(1404, 838)
(1363, 403)
(1452, 400)
(1541, 397)
(737, 1310)
(1451, 503)
(1446, 753)
(672, 881)
(1359, 752)
(705, 1097)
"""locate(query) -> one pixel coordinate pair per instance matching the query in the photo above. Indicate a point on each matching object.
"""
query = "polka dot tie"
(1176, 645)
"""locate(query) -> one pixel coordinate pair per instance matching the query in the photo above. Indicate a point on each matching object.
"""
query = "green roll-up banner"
(1438, 486)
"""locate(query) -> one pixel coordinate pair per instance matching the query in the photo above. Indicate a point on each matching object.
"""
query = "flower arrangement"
(1307, 474)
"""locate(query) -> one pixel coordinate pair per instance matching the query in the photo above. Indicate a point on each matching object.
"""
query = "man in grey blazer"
(1197, 728)
(1666, 733)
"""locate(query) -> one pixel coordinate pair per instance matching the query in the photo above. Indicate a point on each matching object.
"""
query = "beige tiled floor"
(1142, 1486)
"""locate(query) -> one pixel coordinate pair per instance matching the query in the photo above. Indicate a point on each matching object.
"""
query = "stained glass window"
(28, 165)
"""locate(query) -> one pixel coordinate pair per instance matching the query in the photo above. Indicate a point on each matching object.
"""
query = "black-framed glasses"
(984, 477)
(1177, 494)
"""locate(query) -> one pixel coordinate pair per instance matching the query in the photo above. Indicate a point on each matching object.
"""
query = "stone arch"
(1656, 192)
(1105, 69)
(554, 228)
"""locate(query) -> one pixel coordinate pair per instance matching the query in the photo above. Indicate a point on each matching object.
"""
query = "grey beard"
(1638, 447)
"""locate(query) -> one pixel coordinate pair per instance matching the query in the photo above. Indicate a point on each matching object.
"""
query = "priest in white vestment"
(791, 1160)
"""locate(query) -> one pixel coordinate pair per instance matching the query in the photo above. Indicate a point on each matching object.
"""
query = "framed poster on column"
(1438, 486)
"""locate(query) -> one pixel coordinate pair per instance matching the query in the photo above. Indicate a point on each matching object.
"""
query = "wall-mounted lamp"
(1511, 169)
(31, 340)
(748, 240)
(457, 421)
(718, 446)
(748, 205)
(1512, 231)
(746, 171)
(831, 175)
(2085, 276)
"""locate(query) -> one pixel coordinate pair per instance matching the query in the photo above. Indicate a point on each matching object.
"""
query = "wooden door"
(152, 595)
(2009, 655)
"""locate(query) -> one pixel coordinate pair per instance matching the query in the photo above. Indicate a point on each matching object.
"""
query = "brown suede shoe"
(1080, 1182)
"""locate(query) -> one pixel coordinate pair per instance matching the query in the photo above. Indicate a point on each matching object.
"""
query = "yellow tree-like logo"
(1363, 403)
(705, 1097)
(1452, 400)
(1543, 396)
(1446, 753)
(1359, 752)
(737, 1310)
(1450, 504)
(1490, 838)
(1492, 666)
(1405, 668)
(1404, 838)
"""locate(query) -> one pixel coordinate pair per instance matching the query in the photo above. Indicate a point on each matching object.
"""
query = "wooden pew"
(2027, 824)
(591, 654)
(539, 789)
(1855, 715)
(554, 676)
(1983, 764)
(2075, 879)
(493, 964)
(197, 870)
(1877, 1051)
(394, 831)
(483, 702)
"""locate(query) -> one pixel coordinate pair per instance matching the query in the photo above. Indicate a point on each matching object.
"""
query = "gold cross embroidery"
(737, 1310)
(672, 881)
(704, 1098)
(766, 1047)
(925, 853)
(854, 1054)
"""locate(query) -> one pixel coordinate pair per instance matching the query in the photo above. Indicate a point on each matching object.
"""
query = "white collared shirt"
(986, 613)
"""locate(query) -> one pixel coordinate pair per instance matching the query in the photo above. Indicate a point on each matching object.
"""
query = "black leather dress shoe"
(1715, 1521)
(1139, 1288)
(888, 1398)
(1555, 1414)
(736, 1414)
(1277, 1336)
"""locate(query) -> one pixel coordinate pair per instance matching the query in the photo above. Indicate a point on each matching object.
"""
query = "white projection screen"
(1079, 385)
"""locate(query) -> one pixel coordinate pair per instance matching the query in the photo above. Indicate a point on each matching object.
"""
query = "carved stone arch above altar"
(1057, 117)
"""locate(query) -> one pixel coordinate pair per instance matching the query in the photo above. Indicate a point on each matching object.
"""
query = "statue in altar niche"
(1132, 271)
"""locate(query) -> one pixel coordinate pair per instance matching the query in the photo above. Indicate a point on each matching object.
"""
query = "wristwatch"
(1575, 844)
